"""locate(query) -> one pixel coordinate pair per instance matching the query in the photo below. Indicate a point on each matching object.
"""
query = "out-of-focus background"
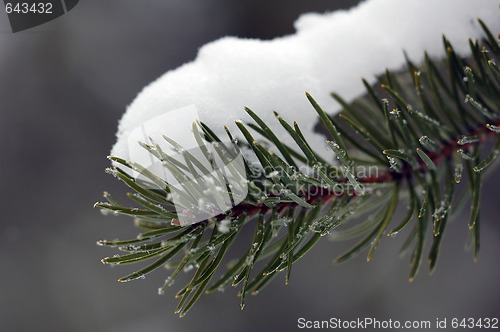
(63, 87)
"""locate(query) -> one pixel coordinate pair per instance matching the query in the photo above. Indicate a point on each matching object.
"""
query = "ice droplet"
(273, 174)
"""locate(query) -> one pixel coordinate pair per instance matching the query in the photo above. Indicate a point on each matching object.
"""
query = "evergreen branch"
(415, 152)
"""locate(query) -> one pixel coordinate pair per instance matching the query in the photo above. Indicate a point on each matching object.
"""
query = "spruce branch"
(419, 134)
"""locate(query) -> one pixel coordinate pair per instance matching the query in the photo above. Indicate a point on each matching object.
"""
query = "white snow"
(329, 52)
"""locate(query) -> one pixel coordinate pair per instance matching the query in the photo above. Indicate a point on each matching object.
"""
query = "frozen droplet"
(223, 226)
(273, 174)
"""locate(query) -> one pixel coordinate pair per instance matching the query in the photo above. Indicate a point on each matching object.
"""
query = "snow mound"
(329, 52)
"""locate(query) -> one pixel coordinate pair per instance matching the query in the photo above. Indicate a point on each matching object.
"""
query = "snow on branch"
(329, 52)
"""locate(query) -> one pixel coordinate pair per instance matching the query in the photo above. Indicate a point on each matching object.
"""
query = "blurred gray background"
(63, 87)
